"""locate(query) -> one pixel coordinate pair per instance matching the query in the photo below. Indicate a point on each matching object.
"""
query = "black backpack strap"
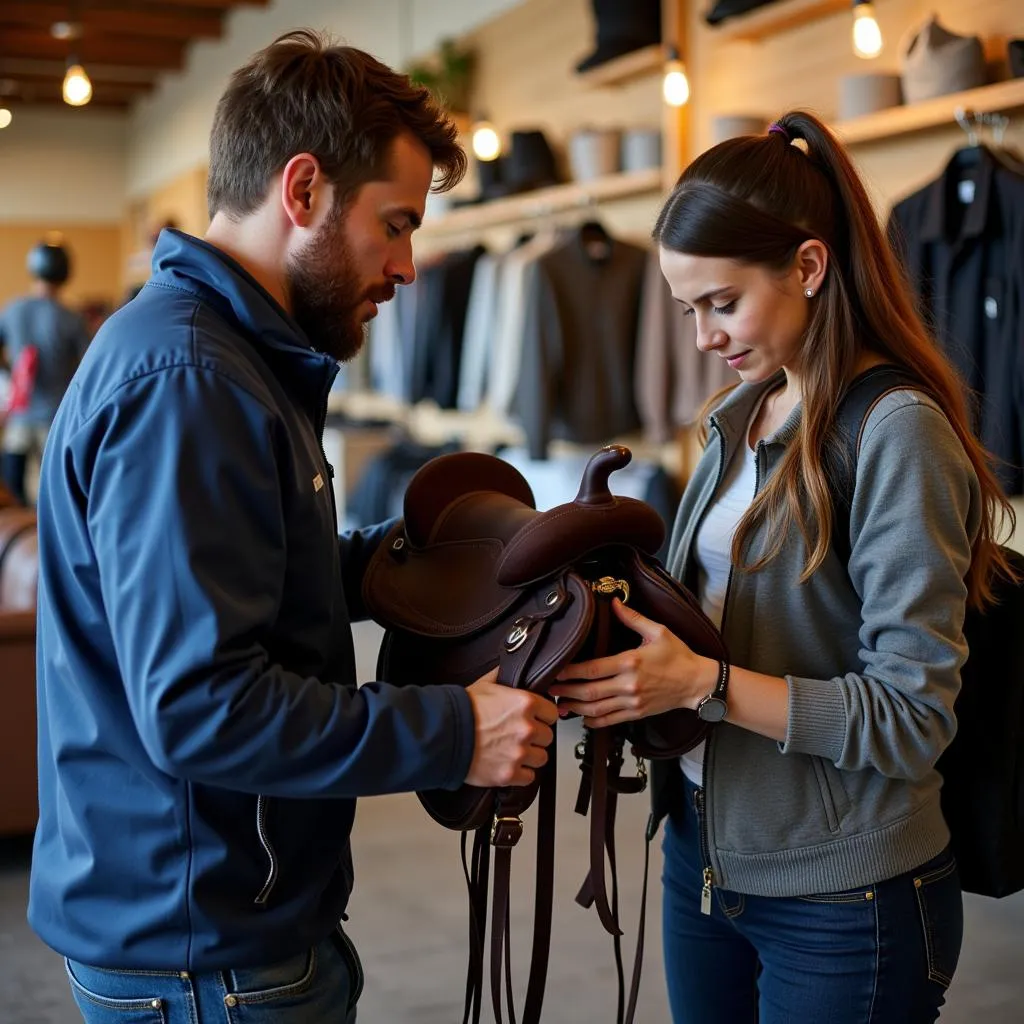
(865, 391)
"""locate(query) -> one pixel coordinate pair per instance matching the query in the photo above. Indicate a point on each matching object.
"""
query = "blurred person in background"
(42, 342)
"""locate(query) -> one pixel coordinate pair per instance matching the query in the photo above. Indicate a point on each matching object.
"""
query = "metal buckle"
(610, 585)
(506, 832)
(517, 636)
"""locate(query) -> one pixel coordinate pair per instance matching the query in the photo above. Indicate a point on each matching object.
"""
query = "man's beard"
(325, 291)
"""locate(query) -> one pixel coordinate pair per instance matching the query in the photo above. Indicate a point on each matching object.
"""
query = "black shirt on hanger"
(962, 241)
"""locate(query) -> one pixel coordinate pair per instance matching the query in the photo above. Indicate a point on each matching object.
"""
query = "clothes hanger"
(967, 158)
(595, 238)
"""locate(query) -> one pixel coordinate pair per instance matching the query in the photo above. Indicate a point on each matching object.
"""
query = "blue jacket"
(201, 736)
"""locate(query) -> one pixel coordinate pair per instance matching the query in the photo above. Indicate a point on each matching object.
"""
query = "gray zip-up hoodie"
(871, 652)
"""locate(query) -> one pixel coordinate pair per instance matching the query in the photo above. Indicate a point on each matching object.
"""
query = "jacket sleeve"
(356, 548)
(182, 475)
(913, 518)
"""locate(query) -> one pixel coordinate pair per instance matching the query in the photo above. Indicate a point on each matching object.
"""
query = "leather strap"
(543, 903)
(477, 885)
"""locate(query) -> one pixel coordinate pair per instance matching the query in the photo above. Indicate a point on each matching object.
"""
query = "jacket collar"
(732, 416)
(946, 218)
(194, 265)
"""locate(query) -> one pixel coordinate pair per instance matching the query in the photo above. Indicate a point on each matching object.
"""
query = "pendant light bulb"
(77, 89)
(675, 86)
(867, 36)
(486, 141)
(6, 117)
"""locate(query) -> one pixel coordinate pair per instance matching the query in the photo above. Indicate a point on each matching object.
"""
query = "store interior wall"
(802, 67)
(63, 172)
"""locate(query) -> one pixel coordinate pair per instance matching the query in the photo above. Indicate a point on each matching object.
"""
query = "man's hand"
(513, 727)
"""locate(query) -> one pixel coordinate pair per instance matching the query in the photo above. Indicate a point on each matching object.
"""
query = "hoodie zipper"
(261, 831)
(700, 796)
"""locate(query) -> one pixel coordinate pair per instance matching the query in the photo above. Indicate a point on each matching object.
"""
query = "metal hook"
(963, 118)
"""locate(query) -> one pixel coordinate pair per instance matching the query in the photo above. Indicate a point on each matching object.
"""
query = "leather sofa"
(19, 566)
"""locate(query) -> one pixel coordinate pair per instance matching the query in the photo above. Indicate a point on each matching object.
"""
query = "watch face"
(711, 709)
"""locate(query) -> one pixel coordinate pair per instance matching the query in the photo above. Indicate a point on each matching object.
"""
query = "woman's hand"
(662, 674)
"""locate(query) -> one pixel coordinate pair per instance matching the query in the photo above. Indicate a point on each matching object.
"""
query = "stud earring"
(809, 292)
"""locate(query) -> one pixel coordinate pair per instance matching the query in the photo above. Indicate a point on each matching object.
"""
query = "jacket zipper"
(261, 831)
(321, 424)
(709, 873)
(700, 798)
(261, 801)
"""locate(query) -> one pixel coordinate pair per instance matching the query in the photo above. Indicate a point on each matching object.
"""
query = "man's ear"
(303, 189)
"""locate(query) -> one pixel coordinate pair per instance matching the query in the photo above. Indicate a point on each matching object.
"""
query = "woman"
(807, 872)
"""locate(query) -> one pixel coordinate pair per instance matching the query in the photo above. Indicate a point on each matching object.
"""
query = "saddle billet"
(474, 577)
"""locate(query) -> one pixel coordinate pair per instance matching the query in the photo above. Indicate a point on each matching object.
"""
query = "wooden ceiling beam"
(98, 102)
(105, 18)
(126, 50)
(37, 82)
(12, 67)
(222, 5)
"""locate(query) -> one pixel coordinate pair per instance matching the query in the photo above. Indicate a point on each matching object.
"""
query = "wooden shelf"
(544, 201)
(915, 117)
(642, 63)
(780, 16)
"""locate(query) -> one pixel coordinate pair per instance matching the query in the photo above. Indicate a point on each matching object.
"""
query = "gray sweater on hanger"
(579, 346)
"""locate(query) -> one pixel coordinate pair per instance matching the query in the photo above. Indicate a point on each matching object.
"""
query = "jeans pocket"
(276, 983)
(355, 966)
(862, 894)
(124, 1000)
(940, 907)
(312, 986)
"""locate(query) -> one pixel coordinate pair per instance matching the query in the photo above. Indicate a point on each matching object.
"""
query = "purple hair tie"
(779, 130)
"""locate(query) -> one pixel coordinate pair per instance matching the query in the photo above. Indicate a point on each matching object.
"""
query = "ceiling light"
(486, 141)
(65, 30)
(5, 117)
(675, 86)
(77, 89)
(867, 36)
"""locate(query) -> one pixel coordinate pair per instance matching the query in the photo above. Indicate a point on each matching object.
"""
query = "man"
(41, 341)
(201, 736)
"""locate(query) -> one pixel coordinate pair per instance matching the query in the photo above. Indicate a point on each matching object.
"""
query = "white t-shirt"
(713, 552)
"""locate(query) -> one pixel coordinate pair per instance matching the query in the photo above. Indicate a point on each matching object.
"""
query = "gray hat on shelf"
(729, 126)
(935, 61)
(865, 94)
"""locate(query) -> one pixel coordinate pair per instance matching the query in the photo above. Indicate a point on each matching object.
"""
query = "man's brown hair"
(302, 94)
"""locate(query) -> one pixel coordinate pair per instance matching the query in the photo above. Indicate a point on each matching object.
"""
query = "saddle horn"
(562, 535)
(594, 488)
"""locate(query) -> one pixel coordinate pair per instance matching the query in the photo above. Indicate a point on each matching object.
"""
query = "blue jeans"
(318, 986)
(878, 954)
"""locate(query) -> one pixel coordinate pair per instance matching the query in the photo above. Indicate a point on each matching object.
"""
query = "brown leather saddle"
(475, 577)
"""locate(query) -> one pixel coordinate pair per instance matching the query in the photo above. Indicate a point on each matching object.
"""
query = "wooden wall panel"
(181, 201)
(526, 78)
(96, 252)
(802, 68)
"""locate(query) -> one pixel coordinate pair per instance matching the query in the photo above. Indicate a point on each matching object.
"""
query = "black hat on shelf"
(724, 9)
(622, 27)
(490, 176)
(1015, 57)
(528, 164)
